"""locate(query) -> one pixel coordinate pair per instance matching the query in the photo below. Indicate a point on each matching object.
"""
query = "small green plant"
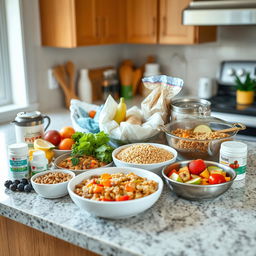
(249, 84)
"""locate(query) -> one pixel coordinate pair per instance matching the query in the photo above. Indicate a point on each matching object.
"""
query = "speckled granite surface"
(173, 226)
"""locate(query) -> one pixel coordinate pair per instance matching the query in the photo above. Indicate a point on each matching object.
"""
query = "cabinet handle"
(97, 27)
(154, 25)
(103, 26)
(164, 25)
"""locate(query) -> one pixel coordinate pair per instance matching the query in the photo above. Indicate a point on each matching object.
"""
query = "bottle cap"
(39, 155)
(18, 148)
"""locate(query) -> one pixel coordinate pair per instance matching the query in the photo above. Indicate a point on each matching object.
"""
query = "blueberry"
(20, 187)
(8, 183)
(16, 182)
(24, 181)
(13, 187)
(28, 188)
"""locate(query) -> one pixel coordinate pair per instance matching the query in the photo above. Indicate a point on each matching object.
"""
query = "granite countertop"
(173, 226)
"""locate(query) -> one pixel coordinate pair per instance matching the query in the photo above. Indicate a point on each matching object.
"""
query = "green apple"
(195, 181)
(176, 177)
(214, 168)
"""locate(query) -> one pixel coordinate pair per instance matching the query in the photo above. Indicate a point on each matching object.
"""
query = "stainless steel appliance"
(221, 12)
(224, 105)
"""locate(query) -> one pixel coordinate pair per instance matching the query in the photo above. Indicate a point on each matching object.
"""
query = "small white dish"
(156, 167)
(120, 209)
(59, 152)
(51, 190)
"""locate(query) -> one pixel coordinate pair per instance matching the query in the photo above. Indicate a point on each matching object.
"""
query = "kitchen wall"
(195, 61)
(188, 62)
(40, 59)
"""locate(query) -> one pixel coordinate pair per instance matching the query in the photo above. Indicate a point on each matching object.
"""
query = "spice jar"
(234, 155)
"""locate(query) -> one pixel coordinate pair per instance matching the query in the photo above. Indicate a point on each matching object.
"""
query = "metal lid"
(190, 105)
(27, 118)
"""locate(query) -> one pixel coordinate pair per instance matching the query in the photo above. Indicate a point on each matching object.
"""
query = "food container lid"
(18, 149)
(190, 105)
(26, 118)
(234, 147)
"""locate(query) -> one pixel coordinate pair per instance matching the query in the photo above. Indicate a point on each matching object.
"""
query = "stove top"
(227, 104)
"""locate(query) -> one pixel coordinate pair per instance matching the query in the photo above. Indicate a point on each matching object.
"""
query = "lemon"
(203, 128)
(45, 146)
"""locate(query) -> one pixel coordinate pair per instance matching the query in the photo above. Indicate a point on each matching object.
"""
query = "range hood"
(221, 12)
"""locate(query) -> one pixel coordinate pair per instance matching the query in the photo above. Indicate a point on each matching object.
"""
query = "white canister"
(29, 126)
(207, 88)
(234, 155)
(18, 161)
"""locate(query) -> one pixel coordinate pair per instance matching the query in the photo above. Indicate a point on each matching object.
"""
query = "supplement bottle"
(18, 161)
(234, 155)
(39, 163)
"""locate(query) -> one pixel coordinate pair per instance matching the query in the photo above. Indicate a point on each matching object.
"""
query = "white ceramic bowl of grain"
(154, 167)
(51, 190)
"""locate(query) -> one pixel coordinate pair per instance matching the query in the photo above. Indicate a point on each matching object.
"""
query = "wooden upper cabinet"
(141, 21)
(72, 23)
(171, 30)
(112, 20)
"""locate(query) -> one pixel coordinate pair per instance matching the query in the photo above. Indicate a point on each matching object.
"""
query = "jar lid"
(39, 155)
(234, 147)
(26, 118)
(190, 105)
(18, 148)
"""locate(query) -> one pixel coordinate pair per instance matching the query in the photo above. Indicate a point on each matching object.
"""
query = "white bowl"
(156, 167)
(64, 156)
(59, 152)
(115, 210)
(51, 190)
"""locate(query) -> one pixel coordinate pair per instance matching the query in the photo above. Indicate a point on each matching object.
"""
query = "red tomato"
(171, 172)
(123, 198)
(196, 166)
(216, 178)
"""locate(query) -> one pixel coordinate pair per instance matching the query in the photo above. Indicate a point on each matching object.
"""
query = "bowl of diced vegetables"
(198, 179)
(90, 151)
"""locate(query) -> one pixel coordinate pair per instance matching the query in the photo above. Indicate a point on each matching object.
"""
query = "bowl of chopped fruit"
(200, 137)
(198, 179)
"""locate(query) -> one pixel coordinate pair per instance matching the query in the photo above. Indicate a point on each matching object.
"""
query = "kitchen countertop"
(173, 226)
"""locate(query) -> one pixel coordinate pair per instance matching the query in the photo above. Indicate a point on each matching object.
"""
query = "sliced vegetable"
(175, 176)
(216, 178)
(171, 172)
(123, 198)
(205, 174)
(184, 173)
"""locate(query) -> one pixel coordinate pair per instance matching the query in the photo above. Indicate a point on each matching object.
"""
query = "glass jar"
(186, 107)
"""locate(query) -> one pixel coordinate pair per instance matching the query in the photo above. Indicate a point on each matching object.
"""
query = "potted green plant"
(245, 90)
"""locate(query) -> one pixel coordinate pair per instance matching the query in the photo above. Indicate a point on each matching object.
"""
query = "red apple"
(53, 136)
(196, 166)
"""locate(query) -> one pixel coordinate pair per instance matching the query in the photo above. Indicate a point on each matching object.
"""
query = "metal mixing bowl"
(194, 148)
(198, 192)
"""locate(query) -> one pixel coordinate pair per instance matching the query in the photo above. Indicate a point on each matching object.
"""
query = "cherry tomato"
(216, 178)
(196, 166)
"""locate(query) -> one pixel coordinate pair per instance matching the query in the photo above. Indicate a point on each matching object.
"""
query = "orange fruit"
(67, 132)
(66, 144)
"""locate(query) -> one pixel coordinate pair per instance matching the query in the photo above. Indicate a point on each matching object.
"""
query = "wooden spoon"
(236, 127)
(71, 71)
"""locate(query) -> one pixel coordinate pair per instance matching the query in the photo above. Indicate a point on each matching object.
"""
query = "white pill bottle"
(234, 155)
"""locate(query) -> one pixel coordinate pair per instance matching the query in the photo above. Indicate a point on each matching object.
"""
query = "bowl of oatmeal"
(149, 156)
(115, 192)
(193, 143)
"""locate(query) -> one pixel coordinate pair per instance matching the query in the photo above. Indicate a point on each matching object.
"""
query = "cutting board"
(96, 77)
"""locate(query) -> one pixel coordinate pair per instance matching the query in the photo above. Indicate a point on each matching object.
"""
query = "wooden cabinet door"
(111, 21)
(141, 21)
(87, 22)
(171, 30)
